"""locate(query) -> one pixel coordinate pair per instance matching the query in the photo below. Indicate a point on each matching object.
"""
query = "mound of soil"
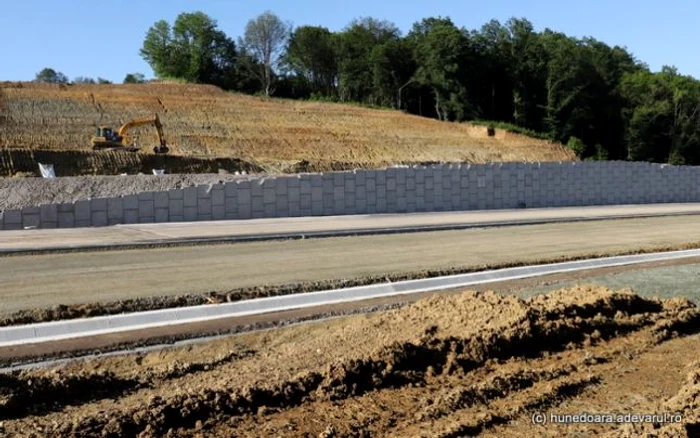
(468, 364)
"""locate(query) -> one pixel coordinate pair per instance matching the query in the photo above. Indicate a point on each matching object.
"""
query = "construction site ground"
(51, 286)
(467, 364)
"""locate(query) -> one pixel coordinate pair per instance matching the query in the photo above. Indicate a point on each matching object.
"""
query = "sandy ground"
(39, 282)
(463, 365)
(17, 193)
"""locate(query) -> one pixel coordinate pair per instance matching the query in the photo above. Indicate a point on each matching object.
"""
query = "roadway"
(31, 281)
(130, 236)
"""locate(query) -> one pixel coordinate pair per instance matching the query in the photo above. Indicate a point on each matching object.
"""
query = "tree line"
(51, 76)
(598, 99)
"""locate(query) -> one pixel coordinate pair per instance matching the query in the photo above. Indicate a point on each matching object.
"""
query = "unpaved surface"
(467, 364)
(664, 279)
(259, 269)
(17, 193)
(39, 241)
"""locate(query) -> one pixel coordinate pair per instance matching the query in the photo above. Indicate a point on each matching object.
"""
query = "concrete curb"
(244, 238)
(58, 330)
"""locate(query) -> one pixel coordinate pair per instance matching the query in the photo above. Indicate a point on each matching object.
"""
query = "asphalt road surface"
(30, 281)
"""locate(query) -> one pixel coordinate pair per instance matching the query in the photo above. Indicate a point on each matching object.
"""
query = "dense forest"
(598, 99)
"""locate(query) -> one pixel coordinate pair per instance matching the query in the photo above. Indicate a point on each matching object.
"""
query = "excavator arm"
(162, 148)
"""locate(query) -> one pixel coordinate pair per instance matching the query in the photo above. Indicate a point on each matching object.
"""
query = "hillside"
(277, 134)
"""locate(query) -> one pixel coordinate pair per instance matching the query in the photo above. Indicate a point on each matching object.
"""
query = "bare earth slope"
(462, 365)
(204, 120)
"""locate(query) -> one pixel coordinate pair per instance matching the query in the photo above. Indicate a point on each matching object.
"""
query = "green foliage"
(51, 76)
(134, 78)
(84, 80)
(355, 47)
(193, 49)
(311, 55)
(543, 84)
(576, 145)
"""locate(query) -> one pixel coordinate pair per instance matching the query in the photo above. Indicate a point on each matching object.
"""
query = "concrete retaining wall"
(393, 190)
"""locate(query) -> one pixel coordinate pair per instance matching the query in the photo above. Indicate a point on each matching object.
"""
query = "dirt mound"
(16, 193)
(450, 366)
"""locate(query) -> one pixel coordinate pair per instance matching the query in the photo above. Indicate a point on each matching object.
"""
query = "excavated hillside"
(277, 135)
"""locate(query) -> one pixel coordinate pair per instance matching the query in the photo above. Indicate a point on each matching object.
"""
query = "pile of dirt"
(446, 366)
(16, 193)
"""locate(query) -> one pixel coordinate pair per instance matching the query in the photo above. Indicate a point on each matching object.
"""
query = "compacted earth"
(469, 364)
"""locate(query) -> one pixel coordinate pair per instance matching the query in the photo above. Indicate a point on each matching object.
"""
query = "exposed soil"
(205, 121)
(467, 364)
(17, 193)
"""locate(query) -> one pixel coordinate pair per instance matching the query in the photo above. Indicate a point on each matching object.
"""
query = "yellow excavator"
(107, 139)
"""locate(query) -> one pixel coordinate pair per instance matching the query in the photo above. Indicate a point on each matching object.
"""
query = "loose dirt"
(467, 364)
(17, 193)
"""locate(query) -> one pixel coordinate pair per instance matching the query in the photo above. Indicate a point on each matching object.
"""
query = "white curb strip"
(102, 325)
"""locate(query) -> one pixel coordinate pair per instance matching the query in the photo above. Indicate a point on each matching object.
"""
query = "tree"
(393, 68)
(84, 80)
(311, 55)
(51, 76)
(135, 78)
(355, 46)
(103, 81)
(264, 40)
(442, 52)
(193, 49)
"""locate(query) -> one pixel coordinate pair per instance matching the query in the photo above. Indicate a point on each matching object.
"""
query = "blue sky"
(102, 38)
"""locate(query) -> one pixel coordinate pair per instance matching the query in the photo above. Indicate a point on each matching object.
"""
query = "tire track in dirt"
(445, 366)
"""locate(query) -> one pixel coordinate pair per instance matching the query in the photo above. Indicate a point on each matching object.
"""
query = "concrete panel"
(176, 194)
(162, 215)
(161, 199)
(130, 202)
(204, 205)
(66, 220)
(146, 209)
(98, 205)
(131, 216)
(82, 211)
(146, 196)
(99, 219)
(176, 207)
(218, 197)
(49, 213)
(66, 208)
(218, 212)
(12, 217)
(115, 208)
(191, 214)
(190, 197)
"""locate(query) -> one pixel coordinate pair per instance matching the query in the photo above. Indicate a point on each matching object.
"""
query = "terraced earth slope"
(280, 135)
(472, 364)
